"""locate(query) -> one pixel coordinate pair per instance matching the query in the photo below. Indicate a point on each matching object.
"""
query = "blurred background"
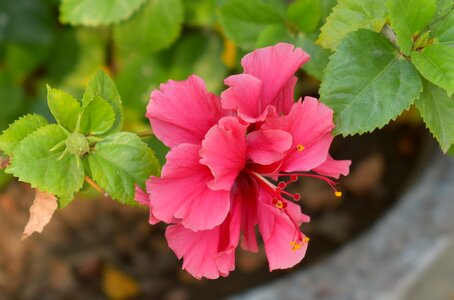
(98, 249)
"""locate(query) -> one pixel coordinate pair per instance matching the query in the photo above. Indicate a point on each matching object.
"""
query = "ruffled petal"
(333, 168)
(268, 146)
(207, 253)
(183, 111)
(243, 96)
(310, 123)
(274, 66)
(182, 192)
(280, 233)
(224, 152)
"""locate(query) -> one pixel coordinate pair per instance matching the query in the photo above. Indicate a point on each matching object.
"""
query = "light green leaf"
(17, 131)
(96, 12)
(121, 161)
(305, 13)
(351, 15)
(367, 83)
(443, 8)
(436, 63)
(98, 117)
(444, 32)
(153, 28)
(319, 56)
(47, 170)
(64, 108)
(200, 12)
(273, 34)
(408, 17)
(243, 21)
(437, 110)
(102, 85)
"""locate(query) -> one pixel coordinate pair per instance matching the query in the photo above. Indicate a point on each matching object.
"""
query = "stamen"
(293, 178)
(282, 185)
(279, 204)
(338, 194)
(295, 246)
(296, 196)
(306, 239)
(300, 147)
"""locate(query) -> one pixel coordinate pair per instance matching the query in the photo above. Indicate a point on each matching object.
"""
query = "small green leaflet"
(97, 118)
(351, 15)
(408, 17)
(437, 111)
(367, 83)
(47, 170)
(18, 130)
(121, 161)
(102, 85)
(64, 108)
(96, 12)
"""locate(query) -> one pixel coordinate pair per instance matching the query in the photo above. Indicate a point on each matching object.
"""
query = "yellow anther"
(338, 194)
(279, 204)
(300, 147)
(306, 239)
(295, 246)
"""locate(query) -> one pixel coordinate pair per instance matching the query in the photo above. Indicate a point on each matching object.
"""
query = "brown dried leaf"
(41, 212)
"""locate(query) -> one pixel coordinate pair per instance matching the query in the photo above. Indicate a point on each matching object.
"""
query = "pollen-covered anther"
(279, 204)
(300, 147)
(295, 245)
(306, 239)
(338, 194)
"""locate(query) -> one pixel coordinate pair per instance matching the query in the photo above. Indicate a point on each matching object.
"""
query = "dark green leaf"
(444, 32)
(319, 56)
(18, 130)
(49, 171)
(243, 21)
(408, 17)
(305, 13)
(95, 12)
(436, 63)
(273, 34)
(351, 15)
(437, 110)
(153, 28)
(120, 162)
(367, 83)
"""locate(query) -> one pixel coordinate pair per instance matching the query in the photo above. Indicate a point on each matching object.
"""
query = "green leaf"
(408, 17)
(243, 21)
(437, 110)
(319, 56)
(64, 108)
(98, 117)
(367, 83)
(436, 63)
(443, 8)
(273, 34)
(451, 151)
(102, 85)
(12, 95)
(444, 32)
(121, 161)
(200, 12)
(153, 28)
(305, 13)
(47, 170)
(351, 15)
(17, 131)
(95, 12)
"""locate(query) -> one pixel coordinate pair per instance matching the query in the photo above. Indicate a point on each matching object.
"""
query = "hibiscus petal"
(207, 253)
(310, 123)
(278, 231)
(224, 152)
(333, 168)
(243, 95)
(274, 66)
(268, 146)
(183, 111)
(182, 191)
(143, 198)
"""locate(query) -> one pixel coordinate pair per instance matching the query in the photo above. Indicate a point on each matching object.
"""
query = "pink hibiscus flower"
(227, 153)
